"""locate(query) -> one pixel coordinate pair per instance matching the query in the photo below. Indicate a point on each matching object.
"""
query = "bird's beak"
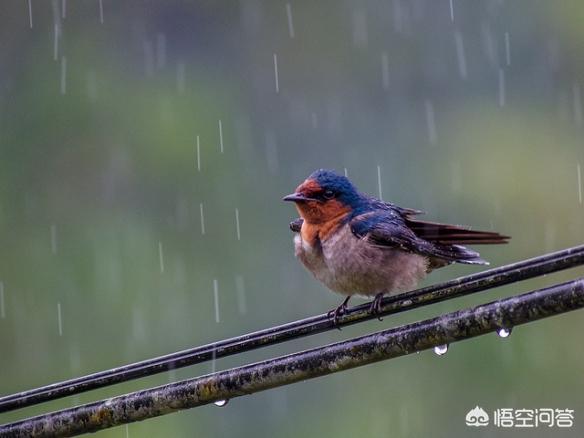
(297, 197)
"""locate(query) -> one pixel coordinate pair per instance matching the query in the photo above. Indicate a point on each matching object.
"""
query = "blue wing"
(388, 228)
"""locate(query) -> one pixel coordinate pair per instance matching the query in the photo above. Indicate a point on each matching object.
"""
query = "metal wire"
(222, 386)
(511, 273)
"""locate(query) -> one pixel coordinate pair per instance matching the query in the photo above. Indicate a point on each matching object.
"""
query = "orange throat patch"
(321, 219)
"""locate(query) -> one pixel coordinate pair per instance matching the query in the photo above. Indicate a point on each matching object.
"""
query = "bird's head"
(324, 196)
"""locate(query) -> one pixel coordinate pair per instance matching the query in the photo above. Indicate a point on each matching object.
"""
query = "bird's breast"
(351, 265)
(309, 250)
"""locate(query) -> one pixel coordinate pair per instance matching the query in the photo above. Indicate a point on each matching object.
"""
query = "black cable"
(284, 370)
(522, 270)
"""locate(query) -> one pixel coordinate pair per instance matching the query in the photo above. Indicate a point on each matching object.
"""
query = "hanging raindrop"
(504, 332)
(221, 403)
(441, 349)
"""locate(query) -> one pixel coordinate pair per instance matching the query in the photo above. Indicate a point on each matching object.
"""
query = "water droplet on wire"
(221, 403)
(441, 349)
(504, 332)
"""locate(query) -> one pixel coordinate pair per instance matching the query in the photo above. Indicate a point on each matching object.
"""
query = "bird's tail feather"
(459, 254)
(447, 234)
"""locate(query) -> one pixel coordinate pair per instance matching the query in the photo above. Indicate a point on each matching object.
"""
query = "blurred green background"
(471, 110)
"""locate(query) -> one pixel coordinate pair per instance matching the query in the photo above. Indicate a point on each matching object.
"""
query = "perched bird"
(358, 245)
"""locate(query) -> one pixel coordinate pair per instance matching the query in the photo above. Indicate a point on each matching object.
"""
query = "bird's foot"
(375, 308)
(338, 311)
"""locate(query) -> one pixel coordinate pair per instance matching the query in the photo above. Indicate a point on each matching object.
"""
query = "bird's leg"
(338, 311)
(375, 308)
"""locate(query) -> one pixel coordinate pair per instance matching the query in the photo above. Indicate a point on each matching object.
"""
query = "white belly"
(349, 265)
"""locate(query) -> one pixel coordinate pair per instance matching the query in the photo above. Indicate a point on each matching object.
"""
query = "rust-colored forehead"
(309, 186)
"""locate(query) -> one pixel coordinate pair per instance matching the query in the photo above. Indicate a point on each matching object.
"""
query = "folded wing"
(394, 229)
(453, 234)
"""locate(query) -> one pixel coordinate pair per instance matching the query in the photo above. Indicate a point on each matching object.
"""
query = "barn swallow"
(358, 245)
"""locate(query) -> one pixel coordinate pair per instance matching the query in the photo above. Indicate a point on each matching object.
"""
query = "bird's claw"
(375, 308)
(338, 311)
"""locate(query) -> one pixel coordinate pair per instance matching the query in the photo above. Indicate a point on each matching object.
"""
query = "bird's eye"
(328, 194)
